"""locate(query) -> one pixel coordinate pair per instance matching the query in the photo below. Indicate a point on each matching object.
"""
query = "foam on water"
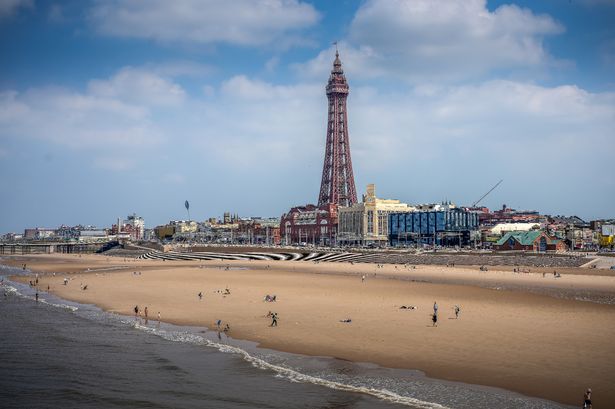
(10, 290)
(288, 373)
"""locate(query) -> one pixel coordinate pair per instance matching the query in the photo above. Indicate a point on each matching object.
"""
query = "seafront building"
(133, 228)
(445, 225)
(534, 240)
(176, 229)
(310, 224)
(367, 223)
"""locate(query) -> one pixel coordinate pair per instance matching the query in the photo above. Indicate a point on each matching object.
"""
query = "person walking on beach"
(200, 295)
(145, 312)
(363, 278)
(435, 308)
(434, 319)
(136, 310)
(587, 399)
(457, 310)
(274, 319)
(158, 316)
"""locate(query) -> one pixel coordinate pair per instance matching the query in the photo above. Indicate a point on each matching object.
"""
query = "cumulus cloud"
(10, 7)
(112, 113)
(140, 86)
(462, 136)
(242, 22)
(423, 40)
(465, 136)
(253, 119)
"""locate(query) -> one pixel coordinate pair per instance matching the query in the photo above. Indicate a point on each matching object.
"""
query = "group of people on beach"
(145, 313)
(434, 316)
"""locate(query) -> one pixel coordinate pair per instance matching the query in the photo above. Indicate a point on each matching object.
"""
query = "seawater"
(59, 354)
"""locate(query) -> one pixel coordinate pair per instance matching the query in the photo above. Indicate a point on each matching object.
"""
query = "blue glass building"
(452, 227)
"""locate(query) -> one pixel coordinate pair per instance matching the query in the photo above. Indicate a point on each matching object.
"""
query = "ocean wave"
(11, 290)
(287, 373)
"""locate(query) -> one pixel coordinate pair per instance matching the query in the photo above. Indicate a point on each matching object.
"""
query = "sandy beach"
(514, 331)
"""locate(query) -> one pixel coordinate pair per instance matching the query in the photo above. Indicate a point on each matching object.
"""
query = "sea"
(56, 353)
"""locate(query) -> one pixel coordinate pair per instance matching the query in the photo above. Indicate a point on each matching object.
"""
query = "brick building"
(310, 224)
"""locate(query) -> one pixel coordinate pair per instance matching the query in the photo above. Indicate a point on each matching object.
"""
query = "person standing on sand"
(136, 310)
(587, 399)
(434, 319)
(363, 278)
(274, 319)
(200, 295)
(158, 316)
(435, 308)
(457, 310)
(145, 312)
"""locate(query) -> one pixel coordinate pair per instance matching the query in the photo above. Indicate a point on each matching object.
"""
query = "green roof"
(525, 238)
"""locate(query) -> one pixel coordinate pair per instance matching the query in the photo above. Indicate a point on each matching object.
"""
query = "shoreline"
(551, 365)
(300, 367)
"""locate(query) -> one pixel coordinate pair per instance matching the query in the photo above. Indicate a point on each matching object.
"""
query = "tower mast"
(337, 183)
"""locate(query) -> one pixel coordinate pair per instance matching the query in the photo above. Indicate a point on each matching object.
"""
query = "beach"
(537, 335)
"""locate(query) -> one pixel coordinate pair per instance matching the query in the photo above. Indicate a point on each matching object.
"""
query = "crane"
(485, 195)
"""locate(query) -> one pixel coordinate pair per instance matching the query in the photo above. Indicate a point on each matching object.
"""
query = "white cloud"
(181, 69)
(113, 113)
(252, 120)
(545, 142)
(139, 86)
(272, 64)
(247, 89)
(450, 40)
(243, 22)
(10, 7)
(419, 144)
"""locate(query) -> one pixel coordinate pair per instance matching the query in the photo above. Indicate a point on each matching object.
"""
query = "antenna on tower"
(335, 44)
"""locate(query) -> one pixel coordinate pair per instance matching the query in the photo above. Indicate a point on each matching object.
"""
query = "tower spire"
(337, 184)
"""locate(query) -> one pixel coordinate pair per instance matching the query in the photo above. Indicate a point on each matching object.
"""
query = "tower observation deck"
(337, 184)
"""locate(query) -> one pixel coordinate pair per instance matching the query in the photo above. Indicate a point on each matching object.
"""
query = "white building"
(137, 230)
(368, 222)
(502, 228)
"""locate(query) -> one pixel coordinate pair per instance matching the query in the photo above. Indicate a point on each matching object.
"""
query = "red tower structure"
(337, 184)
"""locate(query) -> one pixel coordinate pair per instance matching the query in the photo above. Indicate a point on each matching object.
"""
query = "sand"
(524, 339)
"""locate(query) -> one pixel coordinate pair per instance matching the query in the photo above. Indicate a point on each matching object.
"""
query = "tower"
(337, 184)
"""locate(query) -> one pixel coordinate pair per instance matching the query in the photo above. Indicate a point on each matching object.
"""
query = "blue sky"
(114, 107)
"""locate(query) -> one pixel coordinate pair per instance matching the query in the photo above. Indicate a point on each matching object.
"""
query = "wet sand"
(522, 337)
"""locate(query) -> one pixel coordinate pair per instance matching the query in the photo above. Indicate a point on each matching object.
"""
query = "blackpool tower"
(337, 185)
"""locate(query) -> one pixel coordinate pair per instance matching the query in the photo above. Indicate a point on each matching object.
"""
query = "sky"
(114, 107)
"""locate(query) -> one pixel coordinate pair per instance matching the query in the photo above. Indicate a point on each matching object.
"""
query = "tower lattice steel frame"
(337, 185)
